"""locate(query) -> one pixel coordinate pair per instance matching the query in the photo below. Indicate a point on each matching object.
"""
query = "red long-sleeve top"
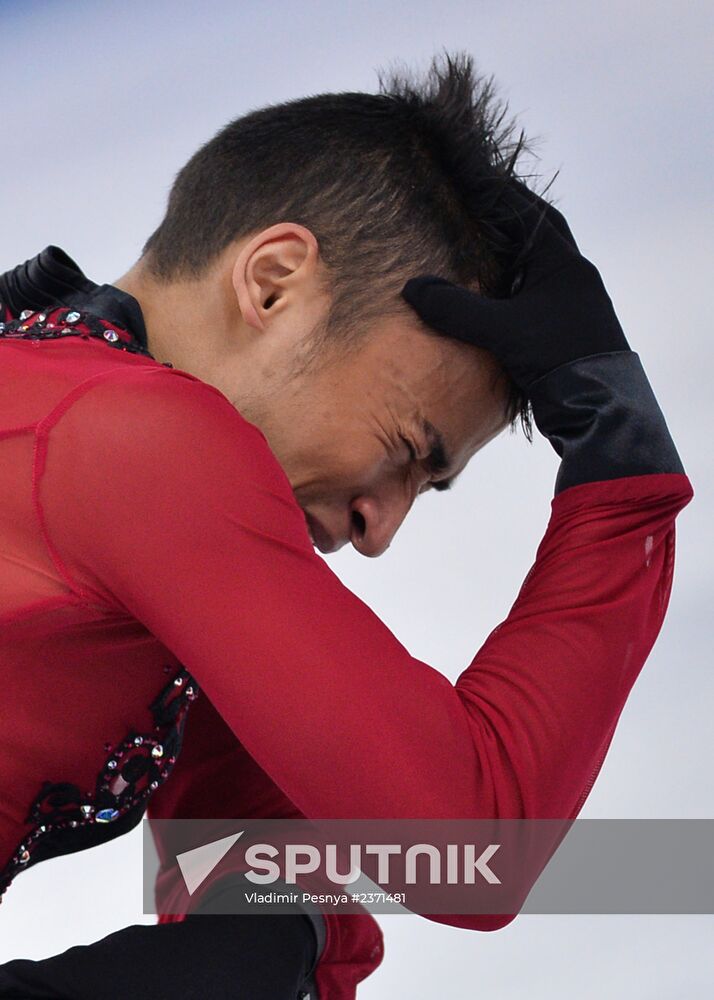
(150, 545)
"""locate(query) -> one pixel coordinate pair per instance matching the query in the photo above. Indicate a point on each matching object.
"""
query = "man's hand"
(558, 312)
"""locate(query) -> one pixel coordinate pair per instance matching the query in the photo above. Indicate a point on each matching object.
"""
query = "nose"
(375, 522)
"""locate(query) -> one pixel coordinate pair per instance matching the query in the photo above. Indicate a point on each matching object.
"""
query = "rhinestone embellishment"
(106, 815)
(60, 322)
(133, 769)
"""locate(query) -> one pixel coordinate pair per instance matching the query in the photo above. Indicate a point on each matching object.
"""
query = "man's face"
(361, 436)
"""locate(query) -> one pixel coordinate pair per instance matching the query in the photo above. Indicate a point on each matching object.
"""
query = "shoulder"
(158, 421)
(147, 478)
(140, 401)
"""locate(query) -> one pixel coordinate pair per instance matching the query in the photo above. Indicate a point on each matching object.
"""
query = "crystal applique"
(63, 322)
(65, 820)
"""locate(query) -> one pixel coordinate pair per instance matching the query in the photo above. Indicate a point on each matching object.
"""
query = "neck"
(191, 324)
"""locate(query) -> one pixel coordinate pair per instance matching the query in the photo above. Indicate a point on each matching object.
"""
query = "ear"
(271, 268)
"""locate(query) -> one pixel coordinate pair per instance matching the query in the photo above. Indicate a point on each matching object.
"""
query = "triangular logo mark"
(197, 864)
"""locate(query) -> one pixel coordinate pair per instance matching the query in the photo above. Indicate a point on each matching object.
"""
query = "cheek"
(336, 466)
(360, 466)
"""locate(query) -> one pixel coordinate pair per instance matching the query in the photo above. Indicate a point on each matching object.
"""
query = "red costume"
(151, 546)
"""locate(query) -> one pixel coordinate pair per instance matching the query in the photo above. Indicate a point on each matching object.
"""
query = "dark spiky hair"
(394, 184)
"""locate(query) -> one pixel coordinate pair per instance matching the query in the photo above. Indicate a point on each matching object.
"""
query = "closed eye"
(434, 463)
(438, 460)
(411, 449)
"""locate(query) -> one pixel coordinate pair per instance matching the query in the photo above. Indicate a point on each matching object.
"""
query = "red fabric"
(144, 522)
(215, 777)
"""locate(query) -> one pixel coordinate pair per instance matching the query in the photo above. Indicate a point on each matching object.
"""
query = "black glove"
(559, 339)
(559, 310)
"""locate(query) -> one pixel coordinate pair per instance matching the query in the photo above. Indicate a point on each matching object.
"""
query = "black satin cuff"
(602, 418)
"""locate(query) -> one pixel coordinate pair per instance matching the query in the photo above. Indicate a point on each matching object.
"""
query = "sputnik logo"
(197, 864)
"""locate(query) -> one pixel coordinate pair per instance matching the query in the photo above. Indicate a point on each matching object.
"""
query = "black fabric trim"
(44, 279)
(112, 304)
(52, 278)
(602, 418)
(64, 819)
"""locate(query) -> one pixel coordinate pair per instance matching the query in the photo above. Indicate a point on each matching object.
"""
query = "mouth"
(319, 535)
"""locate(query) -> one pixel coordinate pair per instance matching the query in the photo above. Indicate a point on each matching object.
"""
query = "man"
(280, 379)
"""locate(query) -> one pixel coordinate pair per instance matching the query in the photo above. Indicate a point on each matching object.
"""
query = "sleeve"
(158, 500)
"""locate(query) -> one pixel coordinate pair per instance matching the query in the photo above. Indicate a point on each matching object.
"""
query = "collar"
(52, 278)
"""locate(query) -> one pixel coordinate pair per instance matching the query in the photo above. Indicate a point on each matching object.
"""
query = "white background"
(100, 105)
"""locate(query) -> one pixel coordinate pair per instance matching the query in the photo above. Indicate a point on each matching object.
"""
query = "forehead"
(416, 375)
(427, 369)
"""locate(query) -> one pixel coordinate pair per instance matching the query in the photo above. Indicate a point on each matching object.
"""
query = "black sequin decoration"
(66, 322)
(65, 820)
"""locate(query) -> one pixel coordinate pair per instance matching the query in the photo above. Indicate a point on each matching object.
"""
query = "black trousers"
(205, 957)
